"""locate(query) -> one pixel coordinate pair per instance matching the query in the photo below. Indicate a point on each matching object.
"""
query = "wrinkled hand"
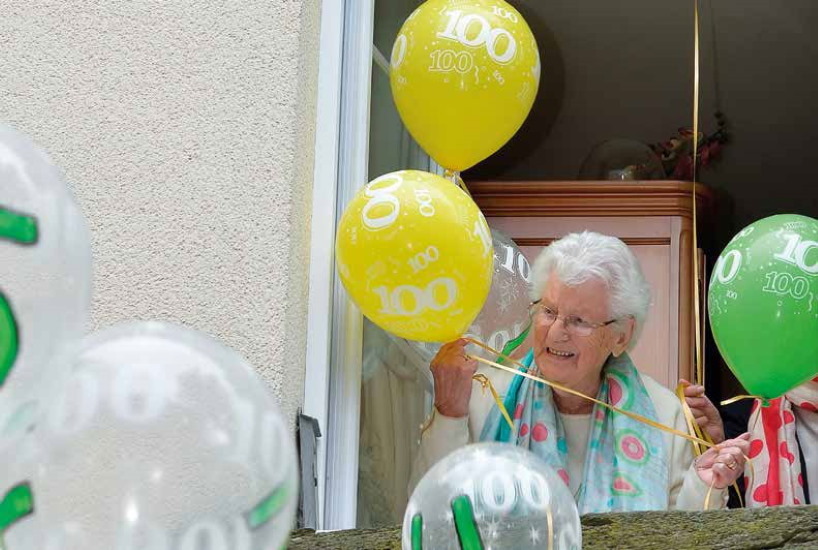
(704, 411)
(453, 373)
(721, 466)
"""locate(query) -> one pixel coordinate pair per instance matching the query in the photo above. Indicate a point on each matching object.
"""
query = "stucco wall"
(186, 130)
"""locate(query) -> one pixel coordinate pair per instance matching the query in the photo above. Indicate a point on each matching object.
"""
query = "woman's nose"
(557, 330)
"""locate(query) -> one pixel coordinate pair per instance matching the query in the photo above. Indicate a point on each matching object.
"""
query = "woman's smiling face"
(569, 359)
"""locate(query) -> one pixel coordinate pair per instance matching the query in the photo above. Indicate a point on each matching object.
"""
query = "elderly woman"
(590, 300)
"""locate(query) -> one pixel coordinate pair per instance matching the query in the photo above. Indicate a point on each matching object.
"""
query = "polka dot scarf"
(774, 449)
(625, 462)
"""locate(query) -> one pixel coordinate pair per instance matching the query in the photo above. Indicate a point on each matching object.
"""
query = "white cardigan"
(686, 490)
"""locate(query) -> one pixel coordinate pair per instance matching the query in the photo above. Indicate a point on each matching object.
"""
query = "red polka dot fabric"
(778, 480)
(539, 433)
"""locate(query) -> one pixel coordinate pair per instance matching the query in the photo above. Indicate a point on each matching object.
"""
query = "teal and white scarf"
(625, 462)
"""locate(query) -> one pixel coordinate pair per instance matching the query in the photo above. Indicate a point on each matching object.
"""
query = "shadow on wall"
(537, 126)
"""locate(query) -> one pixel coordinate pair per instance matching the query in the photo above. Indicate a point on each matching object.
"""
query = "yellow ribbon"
(565, 389)
(699, 359)
(695, 429)
(764, 402)
(692, 426)
(707, 496)
(697, 436)
(734, 485)
(486, 383)
(550, 522)
(457, 180)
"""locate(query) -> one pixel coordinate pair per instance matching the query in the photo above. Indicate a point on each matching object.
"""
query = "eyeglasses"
(575, 326)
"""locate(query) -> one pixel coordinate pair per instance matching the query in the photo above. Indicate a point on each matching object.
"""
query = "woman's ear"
(623, 338)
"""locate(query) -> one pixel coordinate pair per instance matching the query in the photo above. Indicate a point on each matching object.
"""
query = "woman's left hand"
(704, 411)
(721, 466)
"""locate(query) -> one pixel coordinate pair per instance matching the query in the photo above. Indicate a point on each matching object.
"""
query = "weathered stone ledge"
(759, 529)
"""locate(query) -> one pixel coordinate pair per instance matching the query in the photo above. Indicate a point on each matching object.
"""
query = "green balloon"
(763, 304)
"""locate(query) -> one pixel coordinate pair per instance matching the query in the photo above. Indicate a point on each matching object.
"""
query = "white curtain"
(395, 399)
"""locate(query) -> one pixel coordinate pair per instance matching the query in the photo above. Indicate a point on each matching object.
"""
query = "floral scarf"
(625, 463)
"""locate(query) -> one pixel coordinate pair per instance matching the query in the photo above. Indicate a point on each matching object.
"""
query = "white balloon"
(504, 492)
(160, 439)
(45, 275)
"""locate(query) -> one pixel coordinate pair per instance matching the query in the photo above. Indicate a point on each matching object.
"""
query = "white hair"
(578, 257)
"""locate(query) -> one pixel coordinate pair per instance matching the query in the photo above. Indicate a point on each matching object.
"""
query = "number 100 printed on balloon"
(802, 254)
(140, 395)
(492, 494)
(796, 252)
(464, 76)
(18, 229)
(763, 304)
(414, 253)
(499, 43)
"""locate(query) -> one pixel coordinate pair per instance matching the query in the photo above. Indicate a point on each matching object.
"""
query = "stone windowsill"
(767, 528)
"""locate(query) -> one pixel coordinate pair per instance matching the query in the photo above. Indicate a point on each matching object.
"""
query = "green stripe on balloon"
(269, 507)
(417, 532)
(464, 523)
(511, 345)
(9, 339)
(18, 228)
(17, 504)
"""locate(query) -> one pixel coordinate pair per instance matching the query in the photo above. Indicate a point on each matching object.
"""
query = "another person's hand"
(704, 411)
(453, 372)
(721, 466)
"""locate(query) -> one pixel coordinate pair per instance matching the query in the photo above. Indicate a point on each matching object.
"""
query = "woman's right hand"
(453, 372)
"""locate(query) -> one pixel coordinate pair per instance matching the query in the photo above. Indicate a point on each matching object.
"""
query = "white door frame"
(332, 387)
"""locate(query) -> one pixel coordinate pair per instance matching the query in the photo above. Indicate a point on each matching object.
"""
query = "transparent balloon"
(504, 316)
(45, 275)
(491, 495)
(160, 439)
(622, 159)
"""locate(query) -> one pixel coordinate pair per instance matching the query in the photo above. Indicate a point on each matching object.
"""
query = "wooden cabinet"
(654, 218)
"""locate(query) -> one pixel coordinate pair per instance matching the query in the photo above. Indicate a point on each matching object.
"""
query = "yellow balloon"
(464, 76)
(415, 254)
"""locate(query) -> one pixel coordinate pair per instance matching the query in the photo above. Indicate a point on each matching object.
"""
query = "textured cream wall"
(186, 129)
